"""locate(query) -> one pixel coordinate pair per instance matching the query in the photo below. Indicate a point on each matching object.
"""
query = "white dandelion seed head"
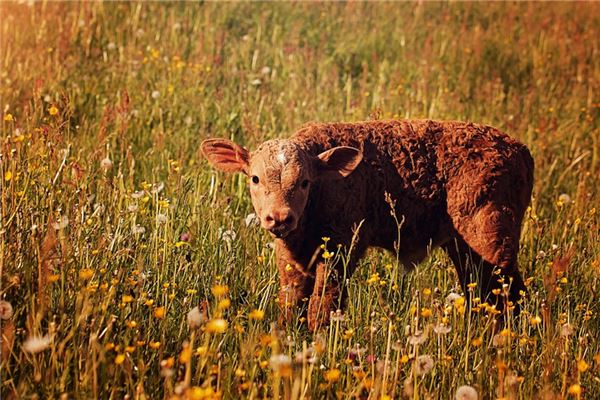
(423, 364)
(155, 94)
(6, 310)
(161, 218)
(280, 361)
(106, 164)
(566, 330)
(251, 220)
(228, 236)
(418, 337)
(36, 344)
(195, 318)
(466, 392)
(255, 82)
(442, 329)
(564, 198)
(61, 223)
(138, 230)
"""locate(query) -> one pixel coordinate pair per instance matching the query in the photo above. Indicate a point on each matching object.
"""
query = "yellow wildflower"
(86, 274)
(8, 117)
(127, 298)
(218, 325)
(223, 304)
(7, 176)
(582, 366)
(119, 359)
(333, 375)
(219, 290)
(53, 110)
(186, 355)
(159, 312)
(257, 315)
(575, 389)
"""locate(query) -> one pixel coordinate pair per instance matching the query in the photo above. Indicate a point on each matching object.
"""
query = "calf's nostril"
(269, 218)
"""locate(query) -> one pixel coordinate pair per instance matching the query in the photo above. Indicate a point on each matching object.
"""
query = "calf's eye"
(255, 179)
(304, 184)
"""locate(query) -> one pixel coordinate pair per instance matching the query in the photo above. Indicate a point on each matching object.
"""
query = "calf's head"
(281, 173)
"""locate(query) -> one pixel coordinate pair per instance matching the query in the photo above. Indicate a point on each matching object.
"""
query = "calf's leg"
(328, 294)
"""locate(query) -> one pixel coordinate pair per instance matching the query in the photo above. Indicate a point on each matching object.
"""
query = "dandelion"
(86, 274)
(219, 290)
(36, 344)
(106, 164)
(159, 312)
(161, 218)
(195, 318)
(228, 236)
(7, 176)
(575, 389)
(53, 110)
(417, 338)
(281, 364)
(6, 310)
(8, 117)
(332, 375)
(423, 364)
(155, 94)
(61, 223)
(157, 188)
(265, 70)
(251, 220)
(564, 199)
(257, 315)
(442, 329)
(186, 354)
(218, 325)
(466, 392)
(536, 320)
(119, 359)
(255, 82)
(582, 366)
(566, 330)
(425, 312)
(223, 304)
(154, 345)
(452, 297)
(138, 230)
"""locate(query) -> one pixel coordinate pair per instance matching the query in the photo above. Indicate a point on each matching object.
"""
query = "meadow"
(129, 267)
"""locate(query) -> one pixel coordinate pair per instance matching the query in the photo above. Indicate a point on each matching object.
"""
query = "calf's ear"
(338, 162)
(225, 155)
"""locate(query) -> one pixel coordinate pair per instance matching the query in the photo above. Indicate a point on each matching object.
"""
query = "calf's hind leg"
(486, 246)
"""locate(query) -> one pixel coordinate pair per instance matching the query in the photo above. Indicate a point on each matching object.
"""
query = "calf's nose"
(278, 220)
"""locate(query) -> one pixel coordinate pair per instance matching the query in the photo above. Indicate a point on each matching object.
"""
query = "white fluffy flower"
(36, 344)
(106, 164)
(195, 318)
(423, 364)
(6, 310)
(466, 392)
(155, 94)
(61, 223)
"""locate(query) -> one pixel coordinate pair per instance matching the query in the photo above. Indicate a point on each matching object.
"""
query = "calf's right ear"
(226, 155)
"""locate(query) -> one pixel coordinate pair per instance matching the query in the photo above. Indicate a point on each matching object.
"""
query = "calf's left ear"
(338, 162)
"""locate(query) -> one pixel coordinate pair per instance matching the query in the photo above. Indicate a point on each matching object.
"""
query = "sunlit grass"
(129, 267)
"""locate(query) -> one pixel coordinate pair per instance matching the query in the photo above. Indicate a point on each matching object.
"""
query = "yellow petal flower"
(218, 325)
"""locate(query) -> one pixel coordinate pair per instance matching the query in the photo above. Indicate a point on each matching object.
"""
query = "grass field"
(113, 229)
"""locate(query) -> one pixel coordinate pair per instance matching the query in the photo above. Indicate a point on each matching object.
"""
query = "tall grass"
(113, 229)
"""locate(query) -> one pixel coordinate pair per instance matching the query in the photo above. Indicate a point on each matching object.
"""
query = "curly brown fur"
(460, 186)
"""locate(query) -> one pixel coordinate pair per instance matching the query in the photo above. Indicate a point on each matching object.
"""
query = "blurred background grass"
(109, 215)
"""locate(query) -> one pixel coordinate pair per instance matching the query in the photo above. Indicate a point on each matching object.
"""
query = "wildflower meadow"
(130, 269)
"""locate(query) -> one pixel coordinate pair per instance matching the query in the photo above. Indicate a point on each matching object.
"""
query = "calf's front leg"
(296, 285)
(326, 297)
